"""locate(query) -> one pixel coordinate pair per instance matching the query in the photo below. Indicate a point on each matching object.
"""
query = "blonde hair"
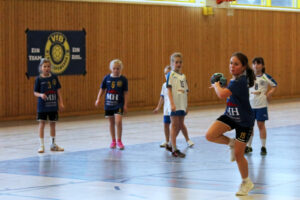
(115, 61)
(176, 55)
(44, 60)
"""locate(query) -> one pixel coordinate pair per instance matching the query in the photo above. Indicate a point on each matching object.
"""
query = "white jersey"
(164, 94)
(179, 89)
(260, 87)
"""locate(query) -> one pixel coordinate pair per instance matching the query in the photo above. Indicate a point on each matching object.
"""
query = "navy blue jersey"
(115, 88)
(238, 105)
(49, 87)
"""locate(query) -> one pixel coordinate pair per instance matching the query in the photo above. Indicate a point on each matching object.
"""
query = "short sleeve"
(271, 81)
(103, 84)
(169, 80)
(37, 85)
(125, 87)
(235, 87)
(58, 83)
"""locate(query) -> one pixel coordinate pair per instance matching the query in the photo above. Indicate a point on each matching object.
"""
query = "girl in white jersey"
(164, 99)
(177, 93)
(259, 98)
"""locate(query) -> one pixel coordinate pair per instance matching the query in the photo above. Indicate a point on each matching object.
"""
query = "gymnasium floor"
(89, 170)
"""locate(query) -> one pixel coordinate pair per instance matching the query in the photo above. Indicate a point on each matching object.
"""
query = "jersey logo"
(119, 84)
(54, 82)
(113, 84)
(57, 50)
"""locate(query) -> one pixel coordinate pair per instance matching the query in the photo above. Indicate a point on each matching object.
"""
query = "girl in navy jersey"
(47, 89)
(238, 115)
(115, 87)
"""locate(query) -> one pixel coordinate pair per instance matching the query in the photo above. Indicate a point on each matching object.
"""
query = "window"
(249, 2)
(280, 3)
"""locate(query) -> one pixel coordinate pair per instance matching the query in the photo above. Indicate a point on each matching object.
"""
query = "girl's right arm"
(160, 102)
(37, 94)
(173, 107)
(101, 92)
(222, 93)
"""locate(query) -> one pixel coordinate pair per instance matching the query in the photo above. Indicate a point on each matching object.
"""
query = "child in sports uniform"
(47, 89)
(164, 99)
(177, 93)
(115, 87)
(238, 115)
(259, 98)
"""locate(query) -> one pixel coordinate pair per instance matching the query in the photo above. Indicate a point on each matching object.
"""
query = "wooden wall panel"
(143, 37)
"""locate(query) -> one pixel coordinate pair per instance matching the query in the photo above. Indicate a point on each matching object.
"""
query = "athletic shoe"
(263, 151)
(232, 154)
(245, 187)
(120, 145)
(55, 147)
(41, 149)
(190, 143)
(248, 150)
(177, 153)
(169, 148)
(163, 145)
(113, 145)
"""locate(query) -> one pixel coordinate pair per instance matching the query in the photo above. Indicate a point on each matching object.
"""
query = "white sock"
(174, 148)
(52, 140)
(249, 144)
(41, 141)
(263, 142)
(231, 142)
(246, 179)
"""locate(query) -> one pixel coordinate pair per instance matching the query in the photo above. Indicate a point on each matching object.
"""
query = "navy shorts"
(44, 116)
(167, 119)
(242, 134)
(261, 114)
(109, 113)
(178, 113)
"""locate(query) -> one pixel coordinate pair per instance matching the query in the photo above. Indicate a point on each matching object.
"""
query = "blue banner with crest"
(64, 49)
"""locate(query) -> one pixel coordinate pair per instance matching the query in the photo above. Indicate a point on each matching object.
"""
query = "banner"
(64, 49)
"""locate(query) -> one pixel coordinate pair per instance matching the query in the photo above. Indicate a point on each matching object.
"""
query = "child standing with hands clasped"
(164, 99)
(177, 93)
(47, 89)
(259, 98)
(115, 87)
(238, 115)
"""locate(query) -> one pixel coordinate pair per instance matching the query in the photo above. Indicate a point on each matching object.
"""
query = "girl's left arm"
(60, 100)
(222, 93)
(270, 93)
(125, 101)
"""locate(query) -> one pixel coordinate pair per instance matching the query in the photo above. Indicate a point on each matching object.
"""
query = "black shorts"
(44, 116)
(109, 113)
(242, 134)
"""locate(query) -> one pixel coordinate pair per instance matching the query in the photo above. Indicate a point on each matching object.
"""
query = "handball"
(218, 77)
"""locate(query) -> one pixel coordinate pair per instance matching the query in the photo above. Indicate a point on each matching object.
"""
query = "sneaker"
(113, 145)
(248, 149)
(245, 188)
(169, 148)
(177, 153)
(232, 154)
(120, 145)
(263, 151)
(163, 145)
(190, 143)
(55, 147)
(41, 149)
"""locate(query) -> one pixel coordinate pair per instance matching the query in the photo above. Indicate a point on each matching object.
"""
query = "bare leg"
(112, 127)
(240, 159)
(262, 129)
(167, 131)
(216, 131)
(175, 127)
(52, 129)
(118, 120)
(42, 128)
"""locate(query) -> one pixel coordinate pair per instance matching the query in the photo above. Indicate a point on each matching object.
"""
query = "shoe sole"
(245, 194)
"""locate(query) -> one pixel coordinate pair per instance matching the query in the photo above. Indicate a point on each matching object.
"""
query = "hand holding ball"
(218, 77)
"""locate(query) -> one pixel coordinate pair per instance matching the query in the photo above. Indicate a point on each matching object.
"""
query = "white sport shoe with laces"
(55, 147)
(245, 188)
(190, 143)
(41, 149)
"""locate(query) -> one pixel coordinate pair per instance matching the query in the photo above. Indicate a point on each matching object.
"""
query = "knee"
(209, 137)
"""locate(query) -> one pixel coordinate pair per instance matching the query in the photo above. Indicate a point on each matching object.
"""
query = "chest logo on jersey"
(113, 84)
(119, 84)
(262, 83)
(54, 82)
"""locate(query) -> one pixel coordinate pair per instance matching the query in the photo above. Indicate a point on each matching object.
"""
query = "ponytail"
(251, 76)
